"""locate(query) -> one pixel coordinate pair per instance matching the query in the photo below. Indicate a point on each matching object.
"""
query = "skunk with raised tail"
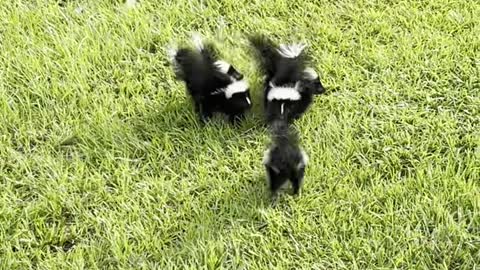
(214, 84)
(290, 83)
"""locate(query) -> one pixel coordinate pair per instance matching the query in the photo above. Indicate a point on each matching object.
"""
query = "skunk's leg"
(297, 180)
(205, 112)
(275, 181)
(196, 106)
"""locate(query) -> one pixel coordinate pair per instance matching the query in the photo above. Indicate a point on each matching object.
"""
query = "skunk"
(284, 160)
(214, 84)
(289, 83)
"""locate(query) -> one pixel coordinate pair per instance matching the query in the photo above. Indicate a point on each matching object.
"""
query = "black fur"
(282, 71)
(285, 160)
(205, 83)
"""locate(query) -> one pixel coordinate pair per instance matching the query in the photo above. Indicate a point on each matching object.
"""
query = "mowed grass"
(104, 165)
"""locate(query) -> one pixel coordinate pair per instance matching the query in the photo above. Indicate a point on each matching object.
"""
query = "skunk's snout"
(240, 102)
(318, 86)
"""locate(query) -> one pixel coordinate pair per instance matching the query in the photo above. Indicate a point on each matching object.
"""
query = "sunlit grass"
(103, 164)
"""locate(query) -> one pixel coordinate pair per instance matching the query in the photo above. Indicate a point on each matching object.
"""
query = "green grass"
(103, 164)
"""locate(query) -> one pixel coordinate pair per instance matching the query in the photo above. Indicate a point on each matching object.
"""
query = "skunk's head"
(312, 81)
(238, 98)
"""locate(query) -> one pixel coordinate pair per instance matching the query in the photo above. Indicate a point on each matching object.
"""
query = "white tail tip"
(197, 41)
(291, 51)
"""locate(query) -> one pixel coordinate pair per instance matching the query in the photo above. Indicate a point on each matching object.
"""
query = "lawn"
(104, 165)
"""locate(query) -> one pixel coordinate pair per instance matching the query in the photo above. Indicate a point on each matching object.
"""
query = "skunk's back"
(286, 152)
(192, 69)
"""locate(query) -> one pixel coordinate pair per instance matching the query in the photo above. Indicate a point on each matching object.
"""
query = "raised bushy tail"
(267, 52)
(284, 63)
(206, 49)
(193, 64)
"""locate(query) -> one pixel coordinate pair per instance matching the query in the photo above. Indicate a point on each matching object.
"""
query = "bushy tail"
(284, 62)
(185, 62)
(192, 63)
(267, 52)
(206, 49)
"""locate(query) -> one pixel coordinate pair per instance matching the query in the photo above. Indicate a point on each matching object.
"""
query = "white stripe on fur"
(235, 87)
(222, 66)
(171, 53)
(291, 51)
(304, 160)
(283, 93)
(266, 157)
(310, 73)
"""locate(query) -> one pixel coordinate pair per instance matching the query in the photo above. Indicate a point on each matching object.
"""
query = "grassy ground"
(103, 164)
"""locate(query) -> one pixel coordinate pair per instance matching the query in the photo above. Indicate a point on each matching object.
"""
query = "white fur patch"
(171, 53)
(248, 101)
(222, 66)
(266, 157)
(236, 87)
(291, 51)
(283, 93)
(304, 161)
(281, 108)
(310, 73)
(197, 41)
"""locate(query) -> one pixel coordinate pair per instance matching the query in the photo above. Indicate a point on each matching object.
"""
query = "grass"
(103, 164)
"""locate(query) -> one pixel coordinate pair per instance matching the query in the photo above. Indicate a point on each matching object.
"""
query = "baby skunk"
(285, 160)
(289, 83)
(213, 84)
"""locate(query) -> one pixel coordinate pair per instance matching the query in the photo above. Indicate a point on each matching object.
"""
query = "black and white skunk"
(285, 159)
(214, 84)
(289, 82)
